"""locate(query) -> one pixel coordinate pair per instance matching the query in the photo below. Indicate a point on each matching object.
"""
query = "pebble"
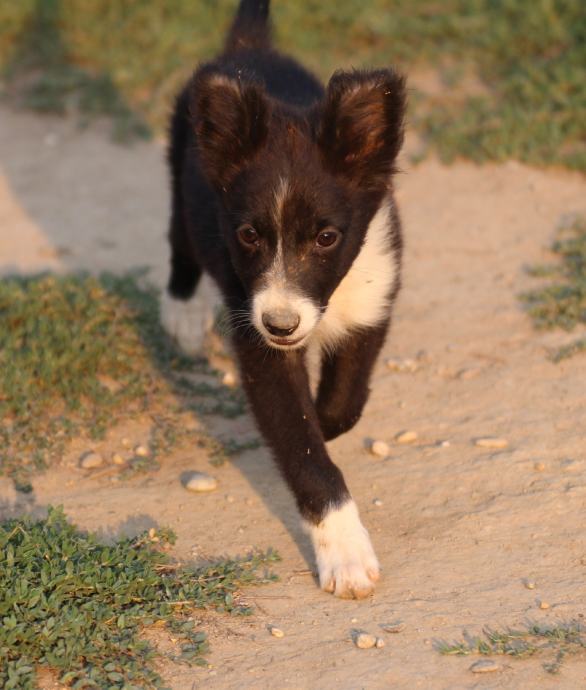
(91, 460)
(365, 640)
(484, 666)
(201, 481)
(125, 442)
(377, 502)
(117, 459)
(379, 642)
(402, 365)
(406, 437)
(544, 605)
(276, 632)
(491, 442)
(230, 498)
(393, 627)
(467, 374)
(539, 466)
(380, 448)
(229, 379)
(141, 451)
(443, 444)
(529, 584)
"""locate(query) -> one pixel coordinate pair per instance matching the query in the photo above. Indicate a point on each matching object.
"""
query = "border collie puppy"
(282, 193)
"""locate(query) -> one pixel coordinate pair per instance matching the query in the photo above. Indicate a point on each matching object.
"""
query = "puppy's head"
(296, 189)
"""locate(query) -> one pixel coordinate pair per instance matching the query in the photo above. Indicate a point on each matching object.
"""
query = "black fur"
(246, 120)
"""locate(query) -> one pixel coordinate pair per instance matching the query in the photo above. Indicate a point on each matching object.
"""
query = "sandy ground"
(459, 528)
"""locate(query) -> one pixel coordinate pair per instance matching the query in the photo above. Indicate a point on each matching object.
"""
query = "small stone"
(276, 632)
(544, 605)
(91, 460)
(443, 444)
(377, 502)
(230, 498)
(364, 640)
(126, 442)
(529, 584)
(380, 448)
(354, 620)
(141, 451)
(229, 379)
(117, 459)
(484, 666)
(491, 442)
(467, 374)
(396, 627)
(406, 437)
(539, 466)
(200, 482)
(379, 642)
(402, 365)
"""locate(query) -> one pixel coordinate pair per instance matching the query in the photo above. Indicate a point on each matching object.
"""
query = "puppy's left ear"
(361, 127)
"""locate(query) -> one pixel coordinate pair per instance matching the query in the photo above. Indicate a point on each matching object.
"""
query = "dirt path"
(459, 527)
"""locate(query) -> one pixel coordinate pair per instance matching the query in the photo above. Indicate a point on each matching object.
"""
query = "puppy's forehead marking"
(280, 195)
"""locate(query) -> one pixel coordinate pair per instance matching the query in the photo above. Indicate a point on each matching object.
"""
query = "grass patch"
(528, 59)
(79, 607)
(556, 641)
(44, 74)
(79, 354)
(561, 303)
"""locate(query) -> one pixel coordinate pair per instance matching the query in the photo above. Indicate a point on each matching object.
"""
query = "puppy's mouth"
(286, 343)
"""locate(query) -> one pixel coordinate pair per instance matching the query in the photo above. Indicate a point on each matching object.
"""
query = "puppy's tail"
(250, 28)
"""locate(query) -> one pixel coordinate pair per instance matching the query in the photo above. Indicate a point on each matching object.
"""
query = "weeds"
(80, 607)
(43, 71)
(79, 354)
(557, 641)
(528, 60)
(562, 302)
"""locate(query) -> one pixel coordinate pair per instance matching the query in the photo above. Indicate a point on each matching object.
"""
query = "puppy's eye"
(327, 238)
(248, 236)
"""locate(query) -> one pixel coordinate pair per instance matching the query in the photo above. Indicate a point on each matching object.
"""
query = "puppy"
(282, 192)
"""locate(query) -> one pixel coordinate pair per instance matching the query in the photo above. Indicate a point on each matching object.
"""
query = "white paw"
(346, 562)
(190, 321)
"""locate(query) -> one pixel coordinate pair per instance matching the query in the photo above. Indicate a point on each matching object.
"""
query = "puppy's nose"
(280, 322)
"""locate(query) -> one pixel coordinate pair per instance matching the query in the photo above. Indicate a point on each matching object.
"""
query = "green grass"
(561, 303)
(555, 641)
(79, 607)
(527, 57)
(79, 354)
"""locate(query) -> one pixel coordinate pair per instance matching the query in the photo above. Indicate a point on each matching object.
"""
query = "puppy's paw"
(346, 562)
(185, 322)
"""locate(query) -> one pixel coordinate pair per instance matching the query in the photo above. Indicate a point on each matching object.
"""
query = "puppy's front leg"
(278, 389)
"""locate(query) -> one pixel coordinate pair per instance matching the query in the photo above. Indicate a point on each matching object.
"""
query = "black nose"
(280, 322)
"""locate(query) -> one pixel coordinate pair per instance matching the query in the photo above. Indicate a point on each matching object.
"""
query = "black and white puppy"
(282, 193)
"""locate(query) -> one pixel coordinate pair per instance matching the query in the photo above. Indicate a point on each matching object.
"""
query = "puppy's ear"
(361, 128)
(230, 119)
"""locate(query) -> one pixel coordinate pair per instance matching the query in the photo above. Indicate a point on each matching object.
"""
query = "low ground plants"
(561, 302)
(508, 74)
(79, 354)
(79, 607)
(553, 642)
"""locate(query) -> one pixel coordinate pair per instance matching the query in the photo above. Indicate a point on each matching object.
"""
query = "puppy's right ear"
(230, 119)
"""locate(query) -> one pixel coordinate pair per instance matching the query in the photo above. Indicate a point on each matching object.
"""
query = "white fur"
(346, 562)
(361, 298)
(189, 321)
